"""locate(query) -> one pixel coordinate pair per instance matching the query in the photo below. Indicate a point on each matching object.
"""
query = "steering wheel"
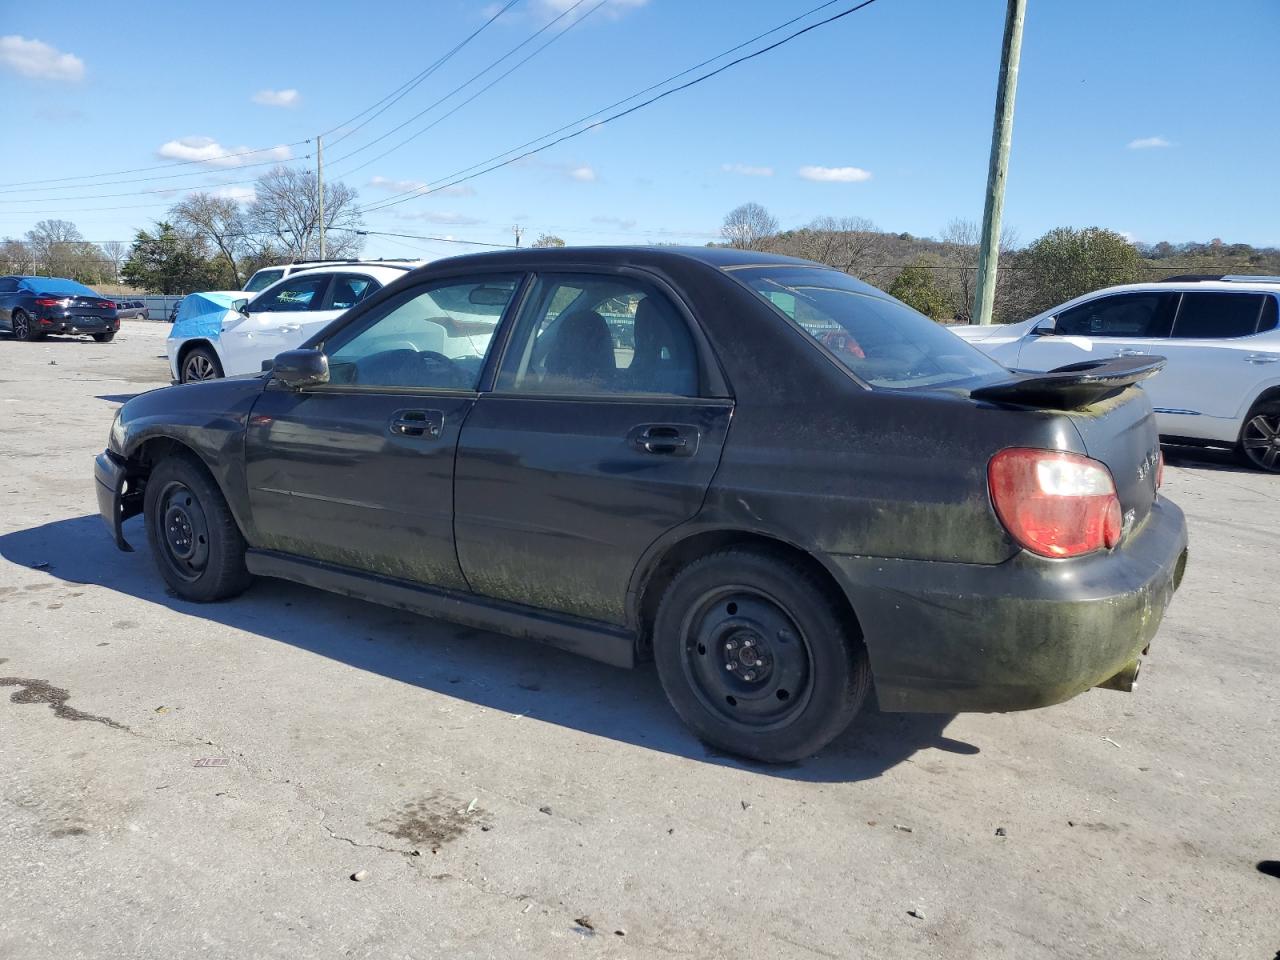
(442, 363)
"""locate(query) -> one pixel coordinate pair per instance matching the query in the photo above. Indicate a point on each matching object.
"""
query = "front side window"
(1211, 316)
(1120, 315)
(881, 341)
(436, 335)
(292, 295)
(349, 289)
(594, 334)
(262, 279)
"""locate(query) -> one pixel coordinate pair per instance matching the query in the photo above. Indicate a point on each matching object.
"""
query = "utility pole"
(1001, 137)
(320, 189)
(519, 232)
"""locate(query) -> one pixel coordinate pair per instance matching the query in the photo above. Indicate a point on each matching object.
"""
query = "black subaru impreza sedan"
(779, 483)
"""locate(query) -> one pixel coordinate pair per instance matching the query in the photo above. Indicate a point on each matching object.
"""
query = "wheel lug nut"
(728, 666)
(750, 675)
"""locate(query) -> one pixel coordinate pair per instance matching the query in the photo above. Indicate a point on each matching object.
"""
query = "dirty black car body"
(778, 482)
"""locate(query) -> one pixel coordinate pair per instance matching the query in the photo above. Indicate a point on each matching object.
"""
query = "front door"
(359, 471)
(596, 440)
(275, 321)
(1117, 324)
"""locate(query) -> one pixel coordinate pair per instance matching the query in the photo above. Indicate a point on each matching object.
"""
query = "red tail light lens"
(106, 305)
(50, 302)
(1053, 503)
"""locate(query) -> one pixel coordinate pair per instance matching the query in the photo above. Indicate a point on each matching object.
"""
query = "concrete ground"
(179, 779)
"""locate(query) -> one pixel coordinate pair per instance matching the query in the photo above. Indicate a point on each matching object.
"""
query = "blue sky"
(1152, 117)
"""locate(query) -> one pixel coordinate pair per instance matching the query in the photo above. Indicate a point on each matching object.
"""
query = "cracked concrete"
(343, 723)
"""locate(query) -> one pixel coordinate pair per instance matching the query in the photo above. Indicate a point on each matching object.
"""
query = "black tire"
(105, 337)
(20, 324)
(196, 543)
(198, 364)
(1259, 445)
(806, 674)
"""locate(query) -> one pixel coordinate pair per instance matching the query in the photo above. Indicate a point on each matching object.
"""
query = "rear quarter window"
(1219, 316)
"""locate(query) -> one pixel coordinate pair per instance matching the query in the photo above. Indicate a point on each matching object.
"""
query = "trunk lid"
(1112, 416)
(97, 307)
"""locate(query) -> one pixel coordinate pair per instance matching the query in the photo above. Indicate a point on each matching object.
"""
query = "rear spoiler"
(1073, 386)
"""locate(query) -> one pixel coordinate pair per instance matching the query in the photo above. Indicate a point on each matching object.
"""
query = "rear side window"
(349, 289)
(263, 279)
(882, 341)
(1213, 316)
(1120, 315)
(8, 284)
(1269, 319)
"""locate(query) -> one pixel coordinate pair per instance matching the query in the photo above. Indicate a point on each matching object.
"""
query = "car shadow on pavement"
(517, 676)
(1205, 458)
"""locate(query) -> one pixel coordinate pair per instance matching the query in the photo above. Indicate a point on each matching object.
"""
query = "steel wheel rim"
(746, 659)
(1261, 441)
(182, 531)
(20, 327)
(197, 367)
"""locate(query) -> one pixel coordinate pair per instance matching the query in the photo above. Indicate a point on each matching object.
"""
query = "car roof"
(1238, 284)
(385, 272)
(618, 256)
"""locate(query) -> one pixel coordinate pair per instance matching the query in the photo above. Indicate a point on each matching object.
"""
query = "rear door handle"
(417, 423)
(666, 439)
(1262, 358)
(1130, 353)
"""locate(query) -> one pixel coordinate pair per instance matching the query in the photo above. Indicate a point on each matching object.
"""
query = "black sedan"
(32, 307)
(776, 481)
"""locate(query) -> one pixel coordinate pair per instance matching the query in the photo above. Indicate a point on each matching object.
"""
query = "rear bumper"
(950, 637)
(66, 324)
(117, 499)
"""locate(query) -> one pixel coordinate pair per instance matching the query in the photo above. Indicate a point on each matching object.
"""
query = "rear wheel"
(199, 363)
(1260, 437)
(757, 658)
(20, 323)
(195, 540)
(106, 337)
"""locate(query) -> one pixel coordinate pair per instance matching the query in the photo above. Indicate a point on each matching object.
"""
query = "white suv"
(1220, 335)
(265, 277)
(281, 317)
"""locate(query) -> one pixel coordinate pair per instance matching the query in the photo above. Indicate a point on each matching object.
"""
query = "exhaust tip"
(1125, 679)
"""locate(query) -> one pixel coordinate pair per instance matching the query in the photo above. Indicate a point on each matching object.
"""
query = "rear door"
(598, 437)
(8, 293)
(275, 319)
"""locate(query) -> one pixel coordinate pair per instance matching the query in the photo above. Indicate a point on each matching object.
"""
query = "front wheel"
(194, 538)
(200, 363)
(1260, 437)
(756, 656)
(105, 337)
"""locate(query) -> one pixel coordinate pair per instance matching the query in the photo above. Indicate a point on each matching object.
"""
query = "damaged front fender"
(119, 494)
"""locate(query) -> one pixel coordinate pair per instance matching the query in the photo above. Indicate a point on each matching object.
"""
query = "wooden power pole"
(1001, 137)
(320, 189)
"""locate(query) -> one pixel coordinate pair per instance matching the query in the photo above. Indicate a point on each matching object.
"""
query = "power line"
(401, 91)
(655, 86)
(467, 83)
(390, 202)
(412, 236)
(173, 176)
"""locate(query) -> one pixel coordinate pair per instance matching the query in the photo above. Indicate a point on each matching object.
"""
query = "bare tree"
(15, 256)
(960, 239)
(850, 244)
(219, 222)
(286, 215)
(749, 227)
(114, 254)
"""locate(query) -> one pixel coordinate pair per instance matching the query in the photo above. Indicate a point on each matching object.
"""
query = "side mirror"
(1046, 328)
(300, 368)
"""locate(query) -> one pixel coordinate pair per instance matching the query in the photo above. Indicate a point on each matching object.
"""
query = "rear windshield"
(57, 285)
(263, 279)
(881, 341)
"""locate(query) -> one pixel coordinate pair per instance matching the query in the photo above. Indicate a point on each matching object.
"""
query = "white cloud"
(622, 223)
(1148, 143)
(583, 174)
(36, 59)
(834, 174)
(277, 98)
(431, 216)
(747, 170)
(406, 186)
(210, 151)
(238, 194)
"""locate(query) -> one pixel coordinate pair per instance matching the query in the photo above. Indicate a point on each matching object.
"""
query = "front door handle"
(1130, 353)
(417, 423)
(666, 439)
(1262, 358)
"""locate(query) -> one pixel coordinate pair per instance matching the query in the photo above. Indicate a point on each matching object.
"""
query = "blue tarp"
(201, 314)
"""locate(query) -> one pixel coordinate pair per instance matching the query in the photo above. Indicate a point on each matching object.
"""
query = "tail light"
(1055, 504)
(50, 302)
(106, 305)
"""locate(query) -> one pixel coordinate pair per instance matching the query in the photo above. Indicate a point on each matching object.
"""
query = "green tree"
(917, 287)
(548, 240)
(1065, 263)
(167, 261)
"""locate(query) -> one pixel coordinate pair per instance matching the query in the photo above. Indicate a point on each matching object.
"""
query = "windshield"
(57, 285)
(881, 341)
(263, 279)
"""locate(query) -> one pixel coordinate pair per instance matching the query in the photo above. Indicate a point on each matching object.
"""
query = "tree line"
(204, 242)
(937, 276)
